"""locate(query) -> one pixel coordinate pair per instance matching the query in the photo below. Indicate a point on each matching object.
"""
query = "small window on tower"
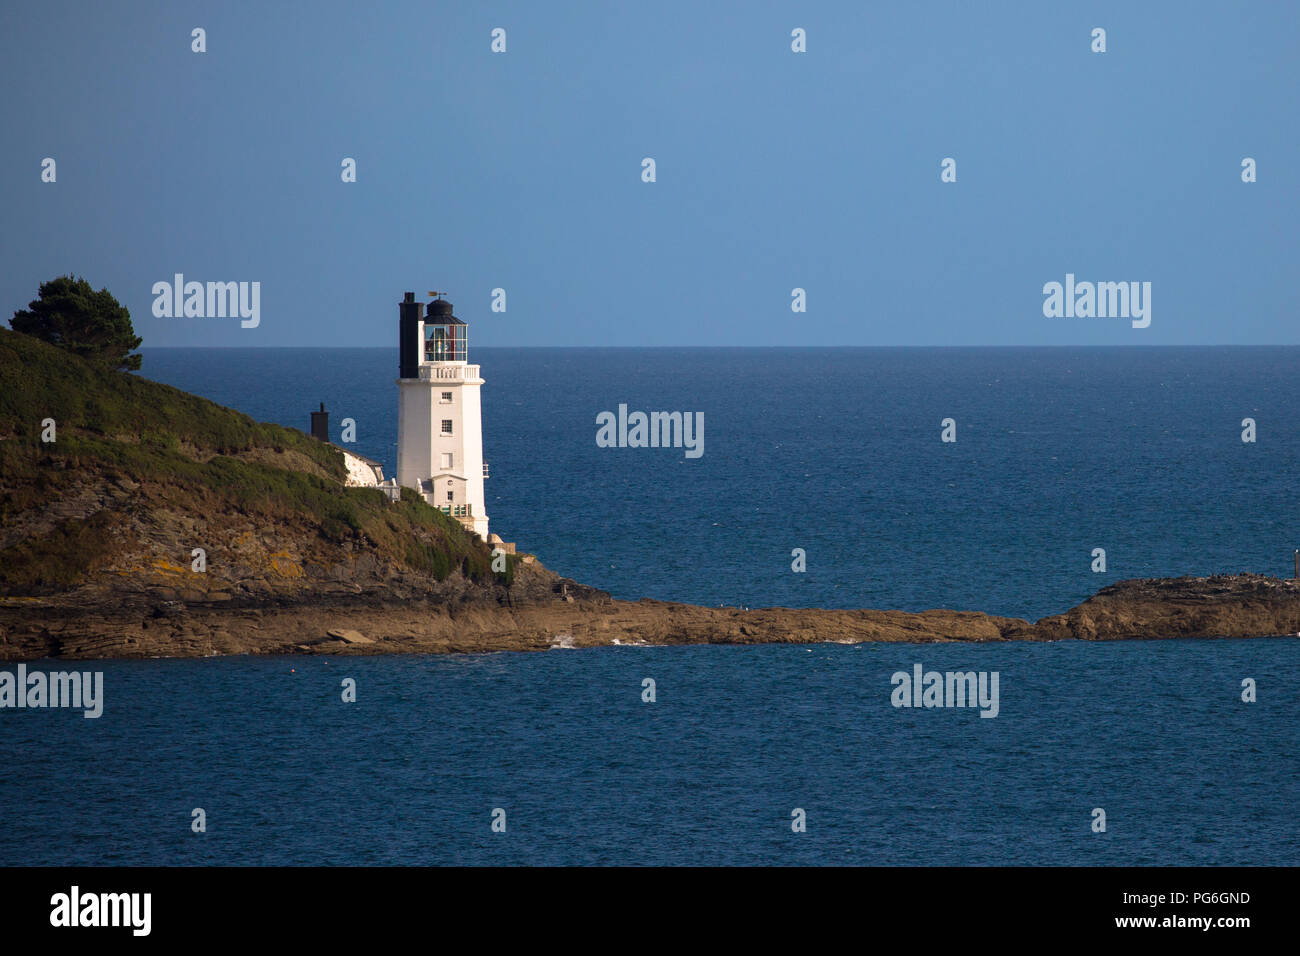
(451, 495)
(446, 426)
(446, 459)
(446, 397)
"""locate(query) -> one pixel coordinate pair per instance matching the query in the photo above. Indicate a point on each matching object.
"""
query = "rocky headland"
(539, 615)
(101, 516)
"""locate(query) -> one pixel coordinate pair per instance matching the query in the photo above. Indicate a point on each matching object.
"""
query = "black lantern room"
(445, 338)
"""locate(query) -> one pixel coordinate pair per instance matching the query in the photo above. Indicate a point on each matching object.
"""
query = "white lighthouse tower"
(439, 419)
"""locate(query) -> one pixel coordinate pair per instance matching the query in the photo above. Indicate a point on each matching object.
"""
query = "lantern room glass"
(445, 343)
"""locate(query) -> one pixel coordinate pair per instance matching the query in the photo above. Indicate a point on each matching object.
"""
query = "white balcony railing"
(448, 373)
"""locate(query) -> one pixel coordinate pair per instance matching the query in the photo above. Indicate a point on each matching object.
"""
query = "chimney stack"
(408, 336)
(320, 424)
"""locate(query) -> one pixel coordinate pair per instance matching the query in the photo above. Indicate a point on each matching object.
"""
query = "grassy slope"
(189, 454)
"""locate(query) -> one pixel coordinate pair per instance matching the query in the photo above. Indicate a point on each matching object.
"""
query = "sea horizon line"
(755, 348)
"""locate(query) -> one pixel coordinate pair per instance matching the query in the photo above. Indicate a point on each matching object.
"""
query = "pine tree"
(73, 316)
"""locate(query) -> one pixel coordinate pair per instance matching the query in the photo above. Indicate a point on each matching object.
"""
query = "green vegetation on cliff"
(128, 450)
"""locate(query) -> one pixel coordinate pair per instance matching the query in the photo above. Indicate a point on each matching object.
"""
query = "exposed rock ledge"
(569, 615)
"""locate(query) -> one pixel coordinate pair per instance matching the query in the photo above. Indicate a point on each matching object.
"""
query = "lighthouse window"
(446, 397)
(446, 459)
(446, 426)
(451, 495)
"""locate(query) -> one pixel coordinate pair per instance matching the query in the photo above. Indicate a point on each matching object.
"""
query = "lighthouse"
(439, 419)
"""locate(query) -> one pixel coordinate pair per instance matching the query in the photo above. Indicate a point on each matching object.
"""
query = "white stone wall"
(361, 474)
(414, 426)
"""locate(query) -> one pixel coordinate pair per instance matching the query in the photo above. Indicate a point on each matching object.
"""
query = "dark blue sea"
(837, 452)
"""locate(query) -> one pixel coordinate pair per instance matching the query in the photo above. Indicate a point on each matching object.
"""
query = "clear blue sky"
(775, 170)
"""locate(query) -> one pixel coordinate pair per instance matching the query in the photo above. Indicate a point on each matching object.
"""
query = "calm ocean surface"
(1154, 733)
(835, 451)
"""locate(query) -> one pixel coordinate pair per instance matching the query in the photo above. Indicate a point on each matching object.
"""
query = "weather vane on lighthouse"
(437, 294)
